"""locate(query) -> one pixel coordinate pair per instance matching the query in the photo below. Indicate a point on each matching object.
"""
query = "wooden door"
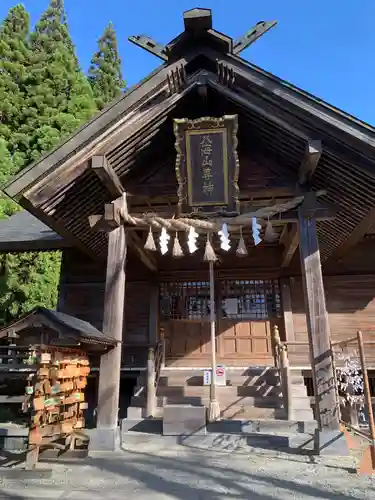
(246, 311)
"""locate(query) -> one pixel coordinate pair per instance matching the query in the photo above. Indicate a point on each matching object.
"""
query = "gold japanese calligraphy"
(206, 152)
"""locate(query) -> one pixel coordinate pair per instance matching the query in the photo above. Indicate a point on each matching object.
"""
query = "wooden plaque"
(207, 165)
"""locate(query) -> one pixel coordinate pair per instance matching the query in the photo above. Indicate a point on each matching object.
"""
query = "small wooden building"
(290, 144)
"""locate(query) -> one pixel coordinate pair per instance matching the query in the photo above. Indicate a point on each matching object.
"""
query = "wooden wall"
(349, 286)
(82, 294)
(350, 303)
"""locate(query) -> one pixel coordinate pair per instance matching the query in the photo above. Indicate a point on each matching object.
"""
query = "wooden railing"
(155, 363)
(159, 361)
(282, 363)
(17, 358)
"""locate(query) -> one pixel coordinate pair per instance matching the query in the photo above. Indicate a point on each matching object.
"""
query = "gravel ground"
(156, 468)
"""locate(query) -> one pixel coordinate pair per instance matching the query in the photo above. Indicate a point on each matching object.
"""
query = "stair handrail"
(159, 360)
(280, 351)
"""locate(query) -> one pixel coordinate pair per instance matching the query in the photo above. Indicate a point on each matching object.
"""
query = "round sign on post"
(220, 375)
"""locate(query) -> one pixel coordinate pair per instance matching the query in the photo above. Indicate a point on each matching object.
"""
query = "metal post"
(214, 408)
(367, 394)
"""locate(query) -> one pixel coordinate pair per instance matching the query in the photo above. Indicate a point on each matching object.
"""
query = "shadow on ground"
(204, 476)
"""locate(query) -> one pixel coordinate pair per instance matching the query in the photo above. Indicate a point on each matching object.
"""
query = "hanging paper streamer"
(177, 250)
(209, 253)
(150, 242)
(269, 233)
(224, 237)
(192, 240)
(256, 227)
(163, 241)
(241, 249)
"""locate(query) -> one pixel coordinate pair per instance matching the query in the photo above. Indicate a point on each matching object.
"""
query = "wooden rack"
(55, 396)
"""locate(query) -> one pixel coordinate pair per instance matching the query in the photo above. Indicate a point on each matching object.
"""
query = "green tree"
(52, 97)
(7, 206)
(14, 60)
(59, 96)
(28, 280)
(105, 71)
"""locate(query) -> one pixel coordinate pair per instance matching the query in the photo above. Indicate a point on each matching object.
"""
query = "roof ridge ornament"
(197, 21)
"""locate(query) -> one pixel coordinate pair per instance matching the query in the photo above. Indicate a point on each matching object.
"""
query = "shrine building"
(211, 163)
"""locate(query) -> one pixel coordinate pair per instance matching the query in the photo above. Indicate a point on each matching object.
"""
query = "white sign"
(207, 377)
(231, 307)
(220, 375)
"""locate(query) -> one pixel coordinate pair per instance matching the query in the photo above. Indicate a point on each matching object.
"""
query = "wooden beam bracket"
(310, 161)
(291, 244)
(102, 168)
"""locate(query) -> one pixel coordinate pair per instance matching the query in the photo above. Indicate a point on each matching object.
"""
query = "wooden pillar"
(110, 363)
(317, 319)
(153, 339)
(286, 301)
(153, 321)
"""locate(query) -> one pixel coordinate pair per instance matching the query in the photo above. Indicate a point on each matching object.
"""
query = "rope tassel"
(150, 242)
(177, 250)
(209, 253)
(269, 233)
(241, 249)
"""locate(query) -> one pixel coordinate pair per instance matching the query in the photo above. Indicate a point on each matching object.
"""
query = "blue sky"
(326, 47)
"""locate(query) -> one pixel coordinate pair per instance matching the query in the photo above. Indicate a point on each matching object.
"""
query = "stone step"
(239, 426)
(237, 380)
(251, 426)
(224, 400)
(292, 443)
(250, 413)
(234, 391)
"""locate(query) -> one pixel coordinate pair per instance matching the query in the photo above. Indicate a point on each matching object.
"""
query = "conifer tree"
(56, 98)
(105, 71)
(59, 96)
(14, 60)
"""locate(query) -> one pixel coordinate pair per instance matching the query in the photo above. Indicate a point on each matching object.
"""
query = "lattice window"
(185, 300)
(250, 299)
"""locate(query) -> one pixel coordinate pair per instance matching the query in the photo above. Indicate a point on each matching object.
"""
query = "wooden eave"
(68, 327)
(279, 116)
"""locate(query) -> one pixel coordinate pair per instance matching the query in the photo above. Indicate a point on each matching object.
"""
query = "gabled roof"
(62, 190)
(23, 232)
(67, 326)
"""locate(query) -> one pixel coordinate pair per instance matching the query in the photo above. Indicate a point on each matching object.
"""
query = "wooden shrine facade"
(290, 144)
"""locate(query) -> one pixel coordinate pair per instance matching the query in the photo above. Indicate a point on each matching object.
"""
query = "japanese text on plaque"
(206, 153)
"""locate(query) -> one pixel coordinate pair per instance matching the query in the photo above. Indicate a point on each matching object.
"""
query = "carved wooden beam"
(291, 245)
(137, 244)
(107, 175)
(310, 161)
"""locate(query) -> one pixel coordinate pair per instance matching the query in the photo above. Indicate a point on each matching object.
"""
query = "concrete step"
(241, 426)
(240, 413)
(251, 413)
(225, 401)
(233, 391)
(303, 444)
(251, 426)
(236, 380)
(301, 403)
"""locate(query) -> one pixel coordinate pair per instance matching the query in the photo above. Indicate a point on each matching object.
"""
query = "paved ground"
(158, 469)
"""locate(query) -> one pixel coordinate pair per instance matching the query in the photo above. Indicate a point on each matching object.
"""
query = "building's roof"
(23, 231)
(68, 326)
(274, 116)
